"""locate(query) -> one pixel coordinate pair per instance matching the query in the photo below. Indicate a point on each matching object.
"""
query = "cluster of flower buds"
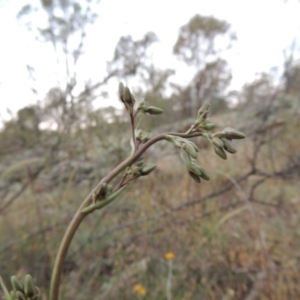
(202, 121)
(222, 141)
(145, 108)
(126, 97)
(25, 290)
(189, 147)
(189, 156)
(194, 169)
(140, 169)
(102, 192)
(142, 136)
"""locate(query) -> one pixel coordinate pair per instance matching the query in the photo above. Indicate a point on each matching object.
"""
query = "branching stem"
(79, 216)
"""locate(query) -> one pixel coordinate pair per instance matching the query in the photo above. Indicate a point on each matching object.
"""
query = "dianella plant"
(128, 171)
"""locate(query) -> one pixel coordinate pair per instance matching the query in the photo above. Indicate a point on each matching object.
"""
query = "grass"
(218, 250)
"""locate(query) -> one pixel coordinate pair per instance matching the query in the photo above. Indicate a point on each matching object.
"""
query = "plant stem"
(79, 216)
(132, 129)
(169, 281)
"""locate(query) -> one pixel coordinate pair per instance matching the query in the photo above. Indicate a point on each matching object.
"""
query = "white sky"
(263, 27)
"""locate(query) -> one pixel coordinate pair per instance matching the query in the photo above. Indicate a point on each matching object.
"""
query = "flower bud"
(128, 99)
(100, 192)
(28, 285)
(16, 283)
(13, 295)
(233, 134)
(208, 126)
(203, 108)
(217, 142)
(204, 174)
(228, 146)
(109, 188)
(147, 169)
(219, 134)
(142, 106)
(186, 159)
(153, 110)
(142, 136)
(190, 148)
(220, 152)
(195, 169)
(21, 296)
(133, 170)
(195, 177)
(121, 91)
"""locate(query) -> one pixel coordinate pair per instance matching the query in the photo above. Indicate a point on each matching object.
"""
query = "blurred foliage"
(196, 40)
(200, 43)
(130, 57)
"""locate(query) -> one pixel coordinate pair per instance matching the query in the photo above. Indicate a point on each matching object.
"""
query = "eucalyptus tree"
(199, 44)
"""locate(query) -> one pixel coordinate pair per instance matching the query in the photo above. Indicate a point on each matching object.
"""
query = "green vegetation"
(129, 177)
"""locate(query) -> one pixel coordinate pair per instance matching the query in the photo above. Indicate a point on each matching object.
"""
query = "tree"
(199, 44)
(130, 56)
(65, 29)
(197, 40)
(131, 60)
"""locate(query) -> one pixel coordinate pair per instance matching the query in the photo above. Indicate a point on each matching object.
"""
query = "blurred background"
(62, 128)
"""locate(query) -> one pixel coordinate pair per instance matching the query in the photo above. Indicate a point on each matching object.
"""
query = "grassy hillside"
(234, 237)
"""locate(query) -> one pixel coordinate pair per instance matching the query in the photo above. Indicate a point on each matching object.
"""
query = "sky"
(264, 28)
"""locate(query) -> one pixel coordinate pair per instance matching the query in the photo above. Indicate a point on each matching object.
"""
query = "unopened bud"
(133, 170)
(217, 142)
(147, 169)
(208, 126)
(233, 134)
(195, 176)
(203, 108)
(16, 283)
(13, 295)
(153, 110)
(109, 188)
(191, 149)
(142, 136)
(219, 134)
(228, 146)
(21, 296)
(28, 285)
(121, 91)
(128, 99)
(220, 152)
(204, 174)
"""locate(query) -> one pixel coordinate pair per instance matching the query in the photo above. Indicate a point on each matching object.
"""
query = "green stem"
(79, 216)
(169, 281)
(133, 129)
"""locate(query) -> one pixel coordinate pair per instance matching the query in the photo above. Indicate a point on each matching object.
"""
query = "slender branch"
(122, 181)
(79, 216)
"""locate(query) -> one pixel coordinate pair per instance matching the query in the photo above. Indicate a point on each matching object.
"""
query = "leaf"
(5, 291)
(224, 219)
(19, 165)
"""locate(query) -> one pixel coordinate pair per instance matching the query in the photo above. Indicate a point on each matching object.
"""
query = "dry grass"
(221, 251)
